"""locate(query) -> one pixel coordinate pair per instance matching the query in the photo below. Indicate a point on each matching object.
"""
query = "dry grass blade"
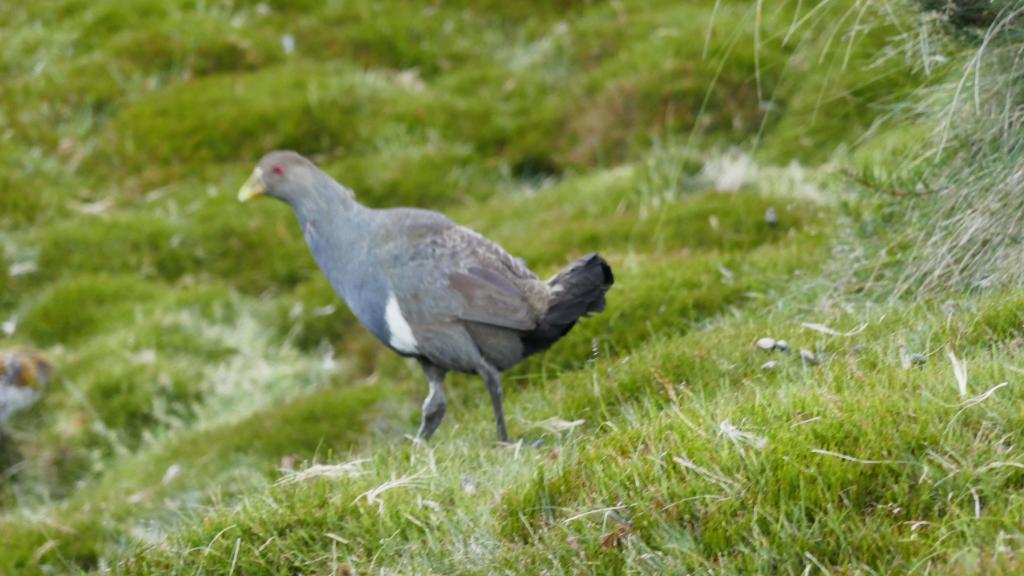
(959, 370)
(605, 511)
(739, 437)
(854, 458)
(555, 424)
(372, 496)
(234, 556)
(832, 332)
(714, 477)
(324, 472)
(998, 465)
(983, 396)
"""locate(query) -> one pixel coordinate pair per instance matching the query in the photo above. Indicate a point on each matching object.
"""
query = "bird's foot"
(417, 441)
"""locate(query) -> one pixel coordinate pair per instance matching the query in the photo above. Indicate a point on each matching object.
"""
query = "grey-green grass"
(202, 358)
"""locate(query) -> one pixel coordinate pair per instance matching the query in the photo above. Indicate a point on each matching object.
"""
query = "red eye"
(278, 170)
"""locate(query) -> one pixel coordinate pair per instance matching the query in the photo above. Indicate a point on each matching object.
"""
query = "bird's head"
(26, 369)
(285, 175)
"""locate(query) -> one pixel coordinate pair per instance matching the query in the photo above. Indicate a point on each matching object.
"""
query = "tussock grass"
(951, 198)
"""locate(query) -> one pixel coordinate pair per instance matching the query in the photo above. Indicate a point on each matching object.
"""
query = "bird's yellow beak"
(253, 187)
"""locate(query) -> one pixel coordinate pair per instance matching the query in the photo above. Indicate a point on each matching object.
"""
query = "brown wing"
(440, 270)
(491, 299)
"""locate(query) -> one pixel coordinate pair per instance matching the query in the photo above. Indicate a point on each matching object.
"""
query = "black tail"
(576, 292)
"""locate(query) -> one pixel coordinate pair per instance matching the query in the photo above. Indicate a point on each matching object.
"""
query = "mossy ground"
(202, 358)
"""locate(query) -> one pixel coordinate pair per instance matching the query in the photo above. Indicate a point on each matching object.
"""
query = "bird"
(24, 375)
(428, 288)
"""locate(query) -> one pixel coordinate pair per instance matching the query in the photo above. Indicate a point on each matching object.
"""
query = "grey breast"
(344, 252)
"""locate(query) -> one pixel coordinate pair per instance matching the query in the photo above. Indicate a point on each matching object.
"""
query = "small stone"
(769, 365)
(288, 43)
(918, 359)
(766, 344)
(782, 346)
(808, 357)
(771, 217)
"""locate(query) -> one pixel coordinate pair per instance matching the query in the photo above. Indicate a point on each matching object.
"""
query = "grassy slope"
(197, 343)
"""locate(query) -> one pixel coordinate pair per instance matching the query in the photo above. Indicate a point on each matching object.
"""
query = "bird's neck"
(337, 230)
(330, 200)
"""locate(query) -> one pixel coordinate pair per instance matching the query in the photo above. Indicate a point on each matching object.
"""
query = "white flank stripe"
(401, 333)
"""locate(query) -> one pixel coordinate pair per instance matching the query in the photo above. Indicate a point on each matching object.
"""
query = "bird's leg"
(493, 380)
(435, 405)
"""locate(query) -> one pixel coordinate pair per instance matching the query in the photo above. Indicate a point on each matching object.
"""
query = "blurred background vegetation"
(746, 166)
